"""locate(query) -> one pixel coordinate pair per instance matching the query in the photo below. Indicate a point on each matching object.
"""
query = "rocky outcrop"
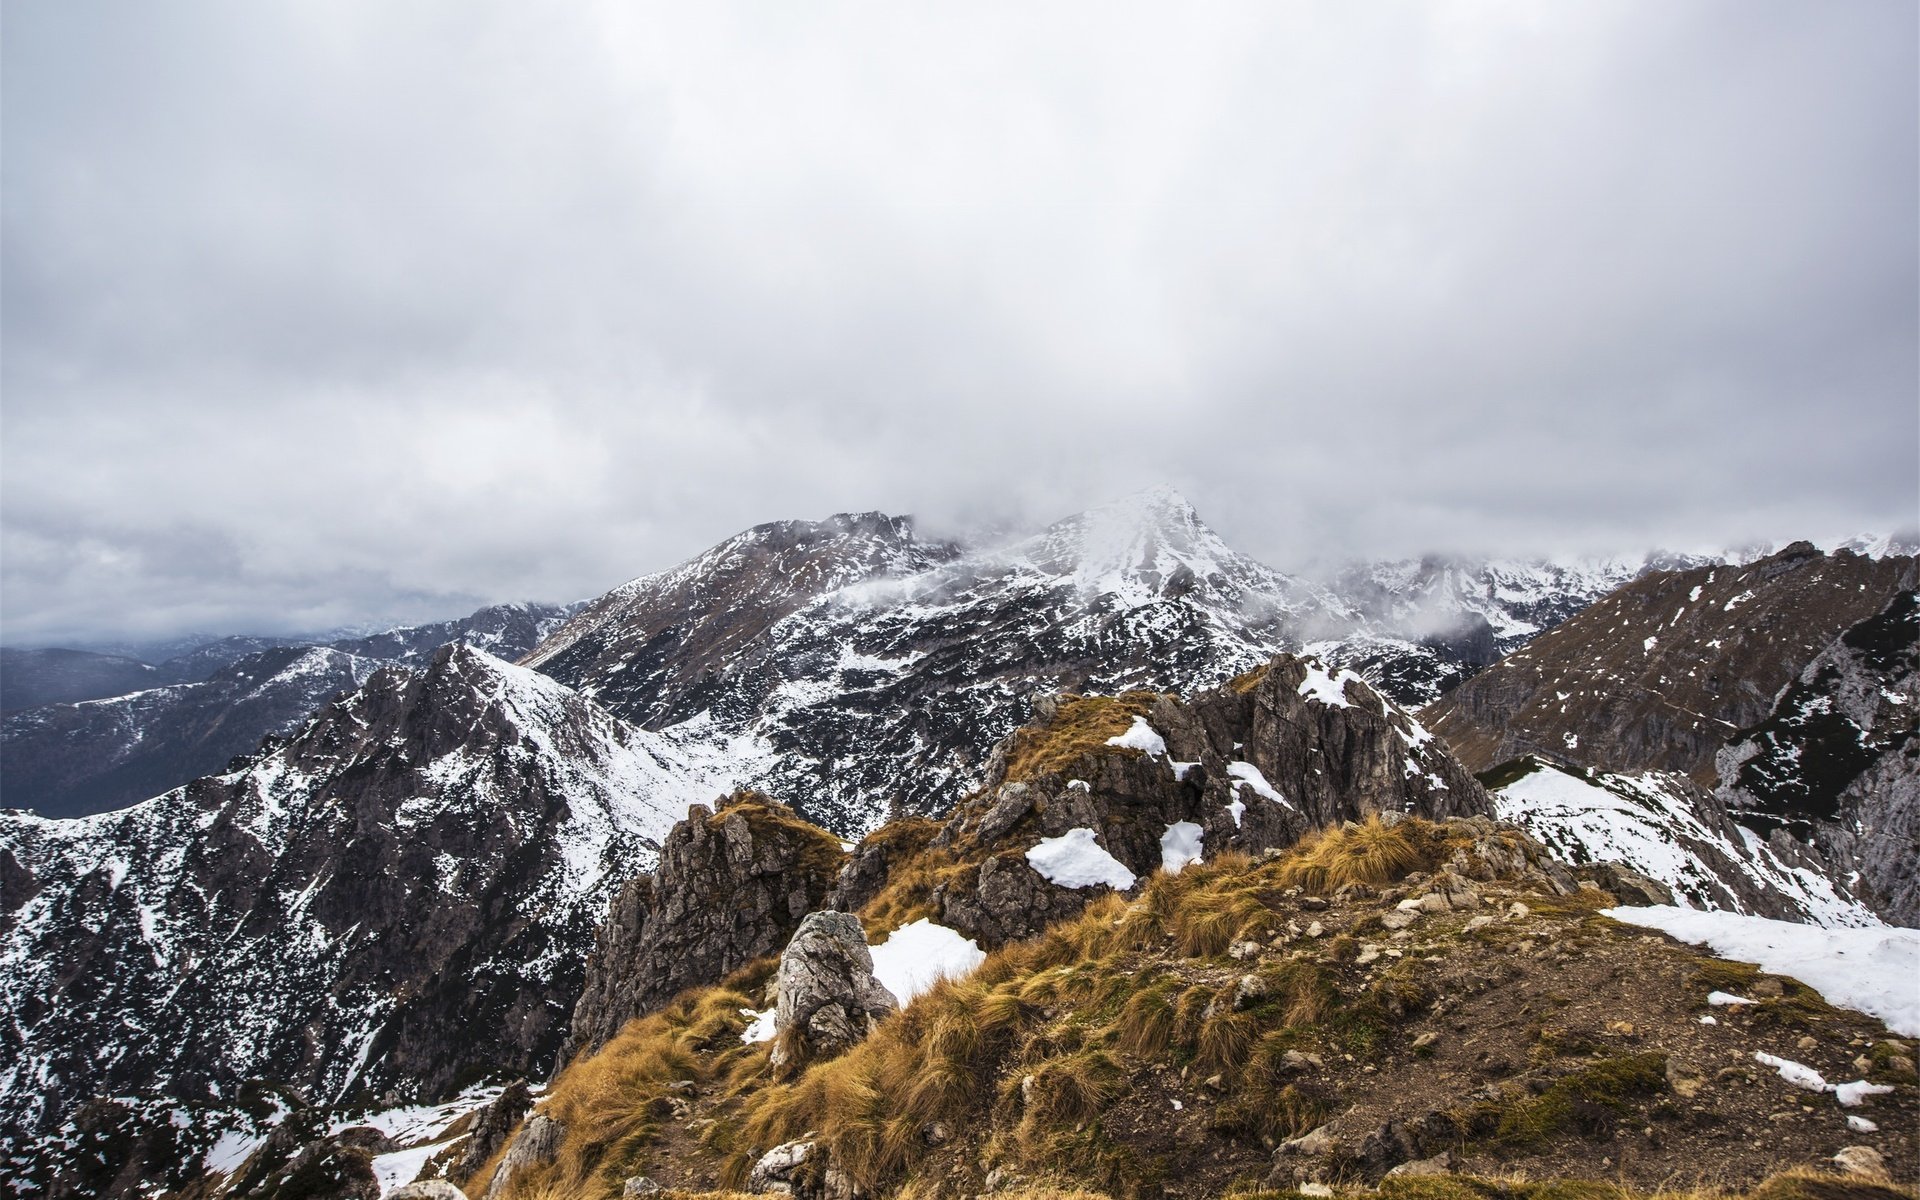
(732, 886)
(1836, 762)
(1659, 674)
(828, 997)
(492, 1126)
(1256, 764)
(538, 1141)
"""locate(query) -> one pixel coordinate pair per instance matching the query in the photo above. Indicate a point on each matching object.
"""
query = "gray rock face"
(1836, 762)
(828, 997)
(491, 1128)
(1253, 765)
(731, 886)
(537, 1142)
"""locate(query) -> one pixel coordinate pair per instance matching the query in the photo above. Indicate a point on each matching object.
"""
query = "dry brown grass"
(1080, 726)
(1370, 853)
(614, 1101)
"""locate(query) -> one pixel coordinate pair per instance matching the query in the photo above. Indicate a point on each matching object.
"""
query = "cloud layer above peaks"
(319, 313)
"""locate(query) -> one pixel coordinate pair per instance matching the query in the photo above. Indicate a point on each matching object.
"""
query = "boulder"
(828, 997)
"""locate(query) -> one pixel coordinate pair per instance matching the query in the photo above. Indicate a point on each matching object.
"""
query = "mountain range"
(398, 863)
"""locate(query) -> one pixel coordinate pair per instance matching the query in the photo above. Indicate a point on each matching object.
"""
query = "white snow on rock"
(918, 955)
(1325, 688)
(1180, 845)
(1248, 774)
(1868, 970)
(1076, 860)
(1722, 999)
(1141, 736)
(1646, 822)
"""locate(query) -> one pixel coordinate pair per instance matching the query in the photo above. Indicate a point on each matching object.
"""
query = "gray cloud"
(330, 312)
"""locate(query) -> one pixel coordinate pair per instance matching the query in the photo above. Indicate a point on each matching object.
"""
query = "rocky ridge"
(401, 895)
(128, 740)
(1660, 673)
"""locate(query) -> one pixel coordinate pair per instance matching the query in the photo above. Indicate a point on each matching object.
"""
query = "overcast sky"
(332, 312)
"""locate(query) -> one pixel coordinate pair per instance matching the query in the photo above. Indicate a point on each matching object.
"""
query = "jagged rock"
(780, 1169)
(1317, 1143)
(1628, 886)
(640, 1186)
(538, 1141)
(1282, 751)
(873, 859)
(732, 886)
(427, 1189)
(492, 1126)
(828, 997)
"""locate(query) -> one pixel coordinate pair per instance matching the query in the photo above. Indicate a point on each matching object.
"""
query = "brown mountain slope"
(1657, 675)
(1247, 1023)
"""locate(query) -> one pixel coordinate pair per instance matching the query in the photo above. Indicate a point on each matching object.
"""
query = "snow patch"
(1180, 845)
(1141, 736)
(1076, 860)
(1868, 970)
(920, 954)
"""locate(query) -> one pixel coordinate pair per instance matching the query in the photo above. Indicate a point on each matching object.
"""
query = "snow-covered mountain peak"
(1148, 546)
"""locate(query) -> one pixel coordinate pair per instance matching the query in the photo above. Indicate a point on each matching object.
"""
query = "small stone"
(1518, 911)
(1412, 904)
(1316, 1143)
(1426, 1039)
(1315, 1189)
(1241, 951)
(1217, 1082)
(1313, 903)
(1316, 930)
(640, 1185)
(1398, 919)
(1434, 902)
(1479, 922)
(1900, 1063)
(1862, 1063)
(1439, 1164)
(1369, 953)
(430, 1189)
(1863, 1161)
(1249, 989)
(1807, 1044)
